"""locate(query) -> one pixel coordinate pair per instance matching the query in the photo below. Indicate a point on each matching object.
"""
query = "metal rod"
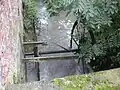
(38, 59)
(52, 52)
(60, 46)
(75, 42)
(33, 43)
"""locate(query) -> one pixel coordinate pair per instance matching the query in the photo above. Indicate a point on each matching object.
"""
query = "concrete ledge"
(35, 86)
(104, 80)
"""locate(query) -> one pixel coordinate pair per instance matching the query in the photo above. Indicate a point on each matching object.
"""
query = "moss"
(107, 87)
(15, 81)
(73, 82)
(105, 80)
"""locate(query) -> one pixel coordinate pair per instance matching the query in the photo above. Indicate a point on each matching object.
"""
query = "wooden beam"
(59, 51)
(52, 52)
(34, 43)
(28, 54)
(38, 59)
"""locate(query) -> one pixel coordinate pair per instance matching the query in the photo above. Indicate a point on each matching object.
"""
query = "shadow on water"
(57, 30)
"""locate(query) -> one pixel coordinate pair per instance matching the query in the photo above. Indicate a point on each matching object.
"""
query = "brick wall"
(10, 46)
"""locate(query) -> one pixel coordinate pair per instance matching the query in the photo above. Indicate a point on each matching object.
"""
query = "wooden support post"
(37, 63)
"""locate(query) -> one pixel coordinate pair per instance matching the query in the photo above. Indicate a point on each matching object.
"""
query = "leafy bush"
(98, 29)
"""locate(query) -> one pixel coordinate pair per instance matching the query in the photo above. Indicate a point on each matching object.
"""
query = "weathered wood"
(28, 54)
(34, 43)
(52, 52)
(38, 59)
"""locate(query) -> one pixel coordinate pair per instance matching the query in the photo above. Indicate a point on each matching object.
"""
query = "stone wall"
(10, 46)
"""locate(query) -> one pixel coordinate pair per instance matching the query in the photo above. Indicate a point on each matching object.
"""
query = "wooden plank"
(38, 59)
(34, 43)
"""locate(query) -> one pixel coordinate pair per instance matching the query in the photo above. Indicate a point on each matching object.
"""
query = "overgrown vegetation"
(97, 28)
(29, 21)
(29, 8)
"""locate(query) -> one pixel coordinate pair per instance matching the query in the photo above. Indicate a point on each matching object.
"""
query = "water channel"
(55, 31)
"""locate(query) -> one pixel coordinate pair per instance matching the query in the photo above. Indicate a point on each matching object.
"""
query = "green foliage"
(29, 22)
(108, 43)
(29, 7)
(94, 11)
(98, 29)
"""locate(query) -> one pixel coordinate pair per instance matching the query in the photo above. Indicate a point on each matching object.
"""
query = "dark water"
(57, 30)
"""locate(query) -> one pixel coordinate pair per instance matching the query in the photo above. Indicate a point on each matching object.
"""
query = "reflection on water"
(57, 30)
